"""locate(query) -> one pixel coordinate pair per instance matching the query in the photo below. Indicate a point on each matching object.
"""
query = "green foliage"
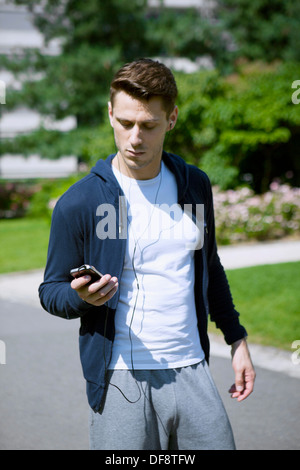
(99, 145)
(186, 34)
(44, 200)
(87, 143)
(95, 40)
(240, 126)
(262, 30)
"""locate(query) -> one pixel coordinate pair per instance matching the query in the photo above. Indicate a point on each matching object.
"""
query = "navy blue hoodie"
(74, 241)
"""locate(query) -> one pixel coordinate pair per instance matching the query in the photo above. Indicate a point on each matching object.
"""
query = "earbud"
(171, 124)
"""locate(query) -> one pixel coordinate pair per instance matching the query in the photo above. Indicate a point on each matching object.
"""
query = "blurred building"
(203, 5)
(17, 32)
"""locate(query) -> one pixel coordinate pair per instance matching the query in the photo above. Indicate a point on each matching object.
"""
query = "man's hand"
(97, 293)
(243, 369)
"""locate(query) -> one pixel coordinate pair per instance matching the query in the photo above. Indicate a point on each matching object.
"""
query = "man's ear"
(110, 113)
(173, 118)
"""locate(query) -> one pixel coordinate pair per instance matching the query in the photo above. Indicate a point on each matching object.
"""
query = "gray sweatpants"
(169, 409)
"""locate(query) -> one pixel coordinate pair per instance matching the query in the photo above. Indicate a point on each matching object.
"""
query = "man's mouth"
(135, 153)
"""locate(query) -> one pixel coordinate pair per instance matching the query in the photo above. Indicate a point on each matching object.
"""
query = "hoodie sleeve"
(221, 306)
(65, 252)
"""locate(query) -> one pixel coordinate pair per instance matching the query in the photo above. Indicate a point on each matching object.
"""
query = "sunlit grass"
(268, 299)
(23, 244)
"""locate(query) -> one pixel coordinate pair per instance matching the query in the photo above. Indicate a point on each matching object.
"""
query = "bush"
(240, 129)
(44, 200)
(242, 215)
(15, 198)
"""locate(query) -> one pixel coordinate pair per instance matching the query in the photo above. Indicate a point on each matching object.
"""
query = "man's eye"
(126, 124)
(129, 125)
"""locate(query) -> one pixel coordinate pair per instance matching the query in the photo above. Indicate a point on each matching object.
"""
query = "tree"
(190, 34)
(242, 128)
(262, 30)
(96, 38)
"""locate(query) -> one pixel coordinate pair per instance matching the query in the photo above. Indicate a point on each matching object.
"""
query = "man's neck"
(143, 173)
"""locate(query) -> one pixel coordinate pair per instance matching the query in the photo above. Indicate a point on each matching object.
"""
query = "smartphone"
(86, 269)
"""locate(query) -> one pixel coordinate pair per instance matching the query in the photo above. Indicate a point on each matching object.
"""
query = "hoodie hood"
(103, 169)
(175, 164)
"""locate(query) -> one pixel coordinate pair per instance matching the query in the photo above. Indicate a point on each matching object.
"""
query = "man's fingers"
(102, 297)
(98, 292)
(101, 288)
(239, 382)
(80, 282)
(243, 386)
(243, 369)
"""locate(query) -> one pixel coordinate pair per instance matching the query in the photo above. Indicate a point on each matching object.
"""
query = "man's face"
(139, 129)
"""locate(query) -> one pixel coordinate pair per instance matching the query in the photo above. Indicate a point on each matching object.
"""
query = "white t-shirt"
(155, 322)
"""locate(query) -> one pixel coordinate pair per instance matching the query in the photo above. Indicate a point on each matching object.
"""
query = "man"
(143, 338)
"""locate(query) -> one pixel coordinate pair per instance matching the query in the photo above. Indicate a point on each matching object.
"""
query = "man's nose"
(136, 136)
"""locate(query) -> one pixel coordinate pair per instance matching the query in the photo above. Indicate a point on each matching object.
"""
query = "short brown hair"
(144, 79)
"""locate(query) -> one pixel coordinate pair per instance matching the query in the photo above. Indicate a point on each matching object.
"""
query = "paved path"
(42, 392)
(243, 255)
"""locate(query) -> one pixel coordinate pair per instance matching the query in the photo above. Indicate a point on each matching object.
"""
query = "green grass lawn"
(267, 297)
(23, 244)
